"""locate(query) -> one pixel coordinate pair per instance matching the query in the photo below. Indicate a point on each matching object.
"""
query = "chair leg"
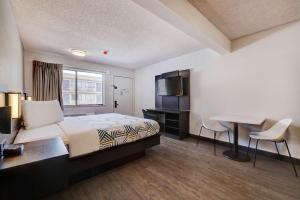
(277, 151)
(291, 159)
(229, 139)
(248, 146)
(199, 135)
(215, 142)
(255, 153)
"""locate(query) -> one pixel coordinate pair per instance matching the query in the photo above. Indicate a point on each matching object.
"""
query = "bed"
(94, 142)
(90, 133)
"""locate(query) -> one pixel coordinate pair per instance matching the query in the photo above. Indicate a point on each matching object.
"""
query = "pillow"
(40, 113)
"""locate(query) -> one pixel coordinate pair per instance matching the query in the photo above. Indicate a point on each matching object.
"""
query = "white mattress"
(86, 134)
(42, 133)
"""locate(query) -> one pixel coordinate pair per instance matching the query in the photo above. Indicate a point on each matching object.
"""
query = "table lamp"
(13, 99)
(10, 108)
(2, 99)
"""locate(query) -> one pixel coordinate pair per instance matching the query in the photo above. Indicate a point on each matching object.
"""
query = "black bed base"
(89, 165)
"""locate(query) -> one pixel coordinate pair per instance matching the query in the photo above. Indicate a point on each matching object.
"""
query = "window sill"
(86, 105)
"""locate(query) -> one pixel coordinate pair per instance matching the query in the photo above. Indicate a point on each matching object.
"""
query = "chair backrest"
(206, 121)
(205, 118)
(278, 130)
(145, 113)
(149, 115)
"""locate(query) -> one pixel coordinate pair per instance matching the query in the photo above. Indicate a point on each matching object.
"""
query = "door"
(123, 95)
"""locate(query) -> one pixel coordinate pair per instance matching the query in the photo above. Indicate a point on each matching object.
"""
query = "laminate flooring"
(184, 170)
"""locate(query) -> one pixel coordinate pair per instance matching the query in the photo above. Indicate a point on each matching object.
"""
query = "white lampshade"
(2, 99)
(14, 100)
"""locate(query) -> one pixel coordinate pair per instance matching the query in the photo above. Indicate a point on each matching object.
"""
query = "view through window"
(82, 87)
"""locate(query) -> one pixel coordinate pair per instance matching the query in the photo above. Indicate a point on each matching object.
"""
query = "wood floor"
(182, 170)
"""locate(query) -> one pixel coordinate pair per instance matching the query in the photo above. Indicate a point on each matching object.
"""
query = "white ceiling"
(237, 18)
(134, 36)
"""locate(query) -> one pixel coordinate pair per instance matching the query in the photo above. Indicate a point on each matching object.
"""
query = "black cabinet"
(172, 112)
(172, 123)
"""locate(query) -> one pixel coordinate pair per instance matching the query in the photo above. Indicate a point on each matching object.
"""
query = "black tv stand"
(172, 112)
(173, 123)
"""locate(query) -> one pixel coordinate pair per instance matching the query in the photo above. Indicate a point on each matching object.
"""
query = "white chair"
(275, 134)
(212, 125)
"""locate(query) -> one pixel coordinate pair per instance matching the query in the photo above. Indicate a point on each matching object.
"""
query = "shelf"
(177, 128)
(173, 124)
(174, 120)
(172, 116)
(171, 130)
(175, 136)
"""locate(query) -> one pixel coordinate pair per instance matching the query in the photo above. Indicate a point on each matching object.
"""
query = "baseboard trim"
(243, 148)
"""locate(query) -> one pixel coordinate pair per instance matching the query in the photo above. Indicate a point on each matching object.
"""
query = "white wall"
(145, 77)
(111, 71)
(11, 51)
(260, 77)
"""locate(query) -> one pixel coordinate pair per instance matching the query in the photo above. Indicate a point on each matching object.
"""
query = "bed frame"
(83, 167)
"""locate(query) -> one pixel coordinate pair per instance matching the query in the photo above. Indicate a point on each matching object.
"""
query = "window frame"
(75, 69)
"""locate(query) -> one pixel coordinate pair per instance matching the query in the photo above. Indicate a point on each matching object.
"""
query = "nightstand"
(39, 171)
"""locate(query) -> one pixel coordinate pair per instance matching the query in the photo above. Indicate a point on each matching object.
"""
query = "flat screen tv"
(172, 86)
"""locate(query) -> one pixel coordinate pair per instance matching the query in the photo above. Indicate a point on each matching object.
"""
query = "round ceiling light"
(78, 52)
(104, 52)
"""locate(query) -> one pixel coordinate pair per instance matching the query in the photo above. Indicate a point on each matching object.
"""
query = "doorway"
(123, 95)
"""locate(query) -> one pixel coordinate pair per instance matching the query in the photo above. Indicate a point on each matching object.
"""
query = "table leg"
(236, 154)
(236, 138)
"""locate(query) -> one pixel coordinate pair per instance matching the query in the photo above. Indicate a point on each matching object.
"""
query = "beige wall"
(110, 71)
(260, 77)
(11, 51)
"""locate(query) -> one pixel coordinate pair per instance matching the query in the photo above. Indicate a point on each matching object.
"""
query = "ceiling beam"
(182, 15)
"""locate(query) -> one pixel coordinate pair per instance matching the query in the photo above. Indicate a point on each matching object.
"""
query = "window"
(82, 87)
(68, 87)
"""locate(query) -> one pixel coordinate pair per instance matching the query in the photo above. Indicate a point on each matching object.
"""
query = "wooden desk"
(236, 120)
(39, 171)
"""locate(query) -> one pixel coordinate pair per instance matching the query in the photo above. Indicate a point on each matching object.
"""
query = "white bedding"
(86, 134)
(41, 133)
(82, 137)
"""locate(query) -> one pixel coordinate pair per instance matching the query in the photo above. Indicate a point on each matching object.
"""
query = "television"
(172, 86)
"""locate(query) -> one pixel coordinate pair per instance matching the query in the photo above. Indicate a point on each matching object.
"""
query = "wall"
(145, 77)
(260, 78)
(11, 51)
(11, 54)
(110, 71)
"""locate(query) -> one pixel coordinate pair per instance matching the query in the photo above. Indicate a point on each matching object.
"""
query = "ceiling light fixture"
(78, 52)
(104, 52)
